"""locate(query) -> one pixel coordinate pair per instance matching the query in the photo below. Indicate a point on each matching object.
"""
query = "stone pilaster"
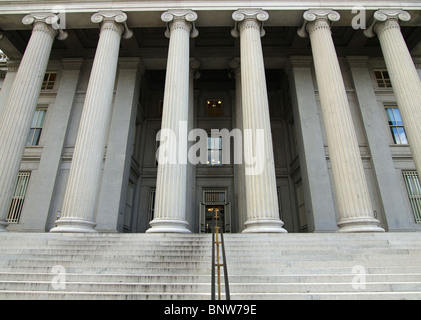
(241, 204)
(19, 109)
(171, 186)
(353, 198)
(403, 74)
(313, 167)
(80, 200)
(372, 116)
(260, 179)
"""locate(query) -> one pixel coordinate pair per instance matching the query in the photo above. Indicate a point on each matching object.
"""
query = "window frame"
(413, 188)
(384, 82)
(211, 149)
(17, 203)
(49, 85)
(35, 127)
(396, 124)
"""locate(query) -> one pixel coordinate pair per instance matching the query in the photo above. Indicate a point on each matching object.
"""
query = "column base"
(264, 226)
(168, 226)
(3, 226)
(70, 225)
(359, 225)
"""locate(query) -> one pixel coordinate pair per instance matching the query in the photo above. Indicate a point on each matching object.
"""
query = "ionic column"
(260, 179)
(78, 212)
(403, 74)
(171, 186)
(241, 203)
(19, 109)
(353, 199)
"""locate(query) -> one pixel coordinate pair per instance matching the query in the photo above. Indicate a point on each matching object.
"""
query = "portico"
(146, 69)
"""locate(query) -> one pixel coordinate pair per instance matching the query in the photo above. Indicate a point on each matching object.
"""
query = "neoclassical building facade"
(304, 118)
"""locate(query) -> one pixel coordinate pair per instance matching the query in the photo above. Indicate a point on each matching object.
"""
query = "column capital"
(181, 18)
(117, 18)
(47, 22)
(245, 18)
(315, 18)
(384, 18)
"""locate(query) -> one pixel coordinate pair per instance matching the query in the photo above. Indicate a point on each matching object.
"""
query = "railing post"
(216, 242)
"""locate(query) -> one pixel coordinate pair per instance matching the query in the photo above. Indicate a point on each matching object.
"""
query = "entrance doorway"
(210, 212)
(215, 201)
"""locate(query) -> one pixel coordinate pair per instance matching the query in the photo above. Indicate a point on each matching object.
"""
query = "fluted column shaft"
(403, 75)
(19, 110)
(171, 186)
(261, 192)
(351, 190)
(241, 204)
(78, 212)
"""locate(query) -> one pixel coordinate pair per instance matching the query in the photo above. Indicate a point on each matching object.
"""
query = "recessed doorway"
(214, 201)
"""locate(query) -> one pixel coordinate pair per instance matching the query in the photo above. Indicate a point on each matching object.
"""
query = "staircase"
(178, 267)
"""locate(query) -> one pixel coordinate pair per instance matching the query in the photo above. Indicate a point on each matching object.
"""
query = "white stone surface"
(261, 193)
(178, 267)
(80, 200)
(353, 201)
(314, 171)
(403, 75)
(18, 112)
(171, 186)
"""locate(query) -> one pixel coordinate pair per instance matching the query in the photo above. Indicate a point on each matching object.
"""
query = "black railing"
(216, 265)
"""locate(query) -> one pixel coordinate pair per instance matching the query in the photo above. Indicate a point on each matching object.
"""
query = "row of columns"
(78, 213)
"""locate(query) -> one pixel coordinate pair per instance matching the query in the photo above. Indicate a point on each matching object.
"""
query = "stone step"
(177, 278)
(144, 266)
(206, 287)
(59, 295)
(232, 251)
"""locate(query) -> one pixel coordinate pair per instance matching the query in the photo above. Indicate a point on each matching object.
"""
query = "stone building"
(331, 96)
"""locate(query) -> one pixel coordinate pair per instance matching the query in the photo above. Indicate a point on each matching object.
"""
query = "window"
(151, 206)
(214, 150)
(382, 79)
(18, 198)
(49, 81)
(36, 126)
(214, 107)
(396, 125)
(413, 187)
(129, 207)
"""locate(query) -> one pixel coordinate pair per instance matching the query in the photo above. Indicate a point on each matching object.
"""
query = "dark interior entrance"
(210, 212)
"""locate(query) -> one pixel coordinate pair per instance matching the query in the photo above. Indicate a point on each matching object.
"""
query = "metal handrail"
(215, 246)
